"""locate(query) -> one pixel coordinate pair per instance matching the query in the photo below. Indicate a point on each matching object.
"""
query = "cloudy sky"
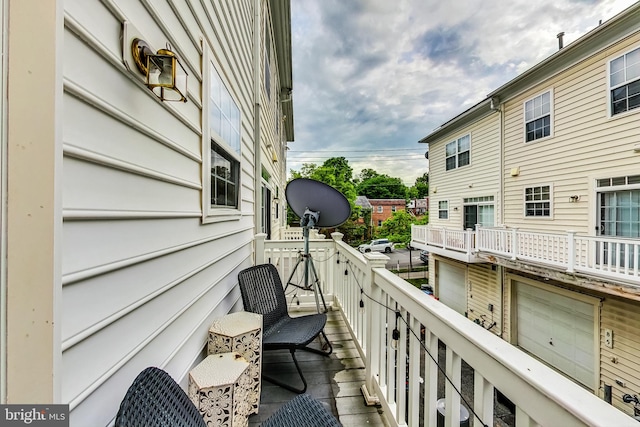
(372, 77)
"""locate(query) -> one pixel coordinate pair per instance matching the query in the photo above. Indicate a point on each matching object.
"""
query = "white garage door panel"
(451, 287)
(557, 329)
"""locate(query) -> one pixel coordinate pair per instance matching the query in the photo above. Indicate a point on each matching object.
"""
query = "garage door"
(558, 329)
(451, 287)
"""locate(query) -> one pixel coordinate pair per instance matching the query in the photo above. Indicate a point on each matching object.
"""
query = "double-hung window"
(537, 117)
(624, 82)
(458, 152)
(443, 209)
(221, 148)
(537, 201)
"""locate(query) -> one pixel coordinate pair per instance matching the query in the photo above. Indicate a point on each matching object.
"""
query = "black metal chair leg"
(285, 385)
(321, 352)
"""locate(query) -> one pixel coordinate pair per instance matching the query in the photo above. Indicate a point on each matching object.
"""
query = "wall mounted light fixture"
(164, 73)
(574, 198)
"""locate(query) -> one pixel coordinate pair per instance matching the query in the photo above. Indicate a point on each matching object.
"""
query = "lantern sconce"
(164, 74)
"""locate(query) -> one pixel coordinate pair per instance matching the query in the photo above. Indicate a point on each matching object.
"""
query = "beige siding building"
(555, 269)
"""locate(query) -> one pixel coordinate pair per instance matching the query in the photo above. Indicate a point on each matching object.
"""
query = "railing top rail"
(539, 390)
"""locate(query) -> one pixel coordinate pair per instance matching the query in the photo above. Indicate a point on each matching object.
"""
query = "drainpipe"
(499, 108)
(257, 146)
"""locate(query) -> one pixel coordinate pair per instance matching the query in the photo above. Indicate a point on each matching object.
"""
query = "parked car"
(427, 289)
(378, 245)
(424, 257)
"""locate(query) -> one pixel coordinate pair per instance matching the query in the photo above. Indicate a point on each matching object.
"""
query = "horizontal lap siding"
(480, 178)
(485, 289)
(586, 144)
(620, 362)
(142, 276)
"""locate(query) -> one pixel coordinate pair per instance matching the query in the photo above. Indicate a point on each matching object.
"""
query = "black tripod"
(307, 221)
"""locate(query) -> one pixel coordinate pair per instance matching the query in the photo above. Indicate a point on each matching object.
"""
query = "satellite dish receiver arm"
(305, 197)
(310, 218)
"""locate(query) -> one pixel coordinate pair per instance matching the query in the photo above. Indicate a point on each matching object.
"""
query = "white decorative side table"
(219, 387)
(241, 332)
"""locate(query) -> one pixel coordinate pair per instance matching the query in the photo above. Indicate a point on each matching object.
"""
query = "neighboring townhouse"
(418, 207)
(383, 209)
(535, 210)
(125, 219)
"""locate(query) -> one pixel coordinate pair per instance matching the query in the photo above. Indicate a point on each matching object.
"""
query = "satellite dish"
(317, 202)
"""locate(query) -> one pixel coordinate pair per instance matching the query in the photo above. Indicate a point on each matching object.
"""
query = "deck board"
(334, 380)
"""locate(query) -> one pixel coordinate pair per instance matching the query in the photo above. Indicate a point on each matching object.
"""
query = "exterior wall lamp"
(165, 75)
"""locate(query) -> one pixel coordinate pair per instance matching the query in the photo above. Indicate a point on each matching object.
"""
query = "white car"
(378, 245)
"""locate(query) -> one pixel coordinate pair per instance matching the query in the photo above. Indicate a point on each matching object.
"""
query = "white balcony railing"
(610, 257)
(541, 395)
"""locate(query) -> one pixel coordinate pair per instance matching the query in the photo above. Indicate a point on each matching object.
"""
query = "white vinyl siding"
(481, 176)
(485, 289)
(142, 276)
(586, 144)
(452, 288)
(621, 360)
(558, 329)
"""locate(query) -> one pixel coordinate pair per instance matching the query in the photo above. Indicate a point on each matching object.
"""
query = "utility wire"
(422, 344)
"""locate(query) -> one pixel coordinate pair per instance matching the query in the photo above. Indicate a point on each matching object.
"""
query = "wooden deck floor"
(334, 380)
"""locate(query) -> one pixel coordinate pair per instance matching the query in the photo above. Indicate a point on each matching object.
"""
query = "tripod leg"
(292, 273)
(316, 283)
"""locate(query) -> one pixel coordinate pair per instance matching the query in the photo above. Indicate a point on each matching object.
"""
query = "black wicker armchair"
(156, 400)
(262, 293)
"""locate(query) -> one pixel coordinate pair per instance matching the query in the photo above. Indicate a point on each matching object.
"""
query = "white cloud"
(379, 74)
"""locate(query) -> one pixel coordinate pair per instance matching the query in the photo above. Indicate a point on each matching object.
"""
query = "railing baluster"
(430, 379)
(452, 398)
(483, 398)
(414, 374)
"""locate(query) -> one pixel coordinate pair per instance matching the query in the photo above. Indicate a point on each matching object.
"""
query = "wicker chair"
(302, 410)
(262, 293)
(156, 400)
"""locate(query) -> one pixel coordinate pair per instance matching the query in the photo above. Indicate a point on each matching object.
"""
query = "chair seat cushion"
(291, 332)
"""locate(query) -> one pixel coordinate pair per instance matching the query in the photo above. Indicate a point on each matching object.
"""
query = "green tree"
(421, 187)
(336, 173)
(397, 228)
(380, 186)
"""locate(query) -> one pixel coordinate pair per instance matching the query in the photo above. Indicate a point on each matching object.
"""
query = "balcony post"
(467, 244)
(571, 249)
(375, 321)
(514, 244)
(259, 255)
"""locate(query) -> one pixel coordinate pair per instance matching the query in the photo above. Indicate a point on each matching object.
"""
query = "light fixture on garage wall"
(164, 73)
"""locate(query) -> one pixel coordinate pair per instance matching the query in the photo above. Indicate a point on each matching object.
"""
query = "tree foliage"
(380, 186)
(337, 173)
(398, 227)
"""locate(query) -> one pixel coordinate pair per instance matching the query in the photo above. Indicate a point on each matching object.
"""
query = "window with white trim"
(619, 206)
(624, 82)
(380, 209)
(443, 209)
(222, 147)
(457, 153)
(393, 208)
(537, 201)
(537, 117)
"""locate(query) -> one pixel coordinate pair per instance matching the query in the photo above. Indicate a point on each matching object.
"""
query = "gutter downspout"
(257, 146)
(501, 275)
